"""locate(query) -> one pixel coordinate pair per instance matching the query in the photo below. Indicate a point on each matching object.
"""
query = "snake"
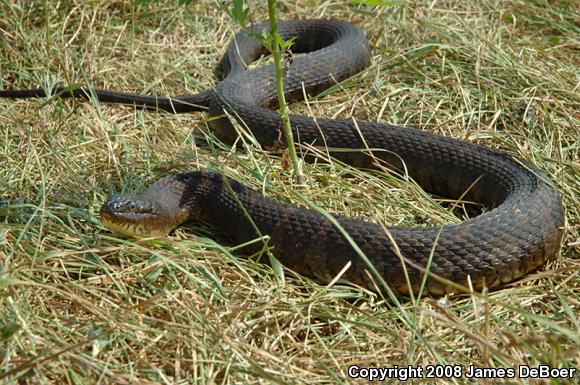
(521, 229)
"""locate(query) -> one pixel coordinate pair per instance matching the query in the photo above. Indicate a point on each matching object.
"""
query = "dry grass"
(80, 305)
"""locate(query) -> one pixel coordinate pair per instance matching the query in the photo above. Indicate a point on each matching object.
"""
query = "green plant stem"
(283, 109)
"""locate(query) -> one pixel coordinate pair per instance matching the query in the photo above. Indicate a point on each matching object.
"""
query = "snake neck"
(191, 196)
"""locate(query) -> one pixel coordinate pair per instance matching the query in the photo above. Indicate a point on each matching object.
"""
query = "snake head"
(135, 215)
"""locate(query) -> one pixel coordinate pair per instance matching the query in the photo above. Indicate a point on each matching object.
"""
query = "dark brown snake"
(522, 229)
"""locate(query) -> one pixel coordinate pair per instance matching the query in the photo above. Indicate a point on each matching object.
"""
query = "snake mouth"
(133, 216)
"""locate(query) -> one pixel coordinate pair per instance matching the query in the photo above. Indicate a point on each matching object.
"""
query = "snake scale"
(522, 229)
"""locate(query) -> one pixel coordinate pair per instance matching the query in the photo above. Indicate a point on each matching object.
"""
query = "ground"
(79, 304)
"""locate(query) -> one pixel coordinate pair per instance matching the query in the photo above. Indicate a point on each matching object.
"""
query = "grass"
(81, 305)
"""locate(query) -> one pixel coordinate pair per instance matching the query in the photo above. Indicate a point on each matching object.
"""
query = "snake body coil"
(520, 232)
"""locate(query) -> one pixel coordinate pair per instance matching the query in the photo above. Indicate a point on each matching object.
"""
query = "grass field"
(80, 305)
